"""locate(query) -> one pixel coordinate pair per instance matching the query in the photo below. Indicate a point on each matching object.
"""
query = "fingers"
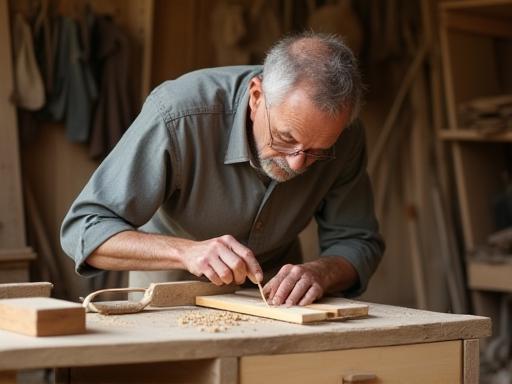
(235, 264)
(222, 270)
(293, 285)
(212, 276)
(254, 271)
(313, 293)
(286, 286)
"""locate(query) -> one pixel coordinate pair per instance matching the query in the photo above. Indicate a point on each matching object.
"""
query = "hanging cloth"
(29, 88)
(110, 50)
(74, 90)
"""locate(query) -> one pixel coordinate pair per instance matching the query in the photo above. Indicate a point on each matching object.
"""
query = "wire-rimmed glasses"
(287, 150)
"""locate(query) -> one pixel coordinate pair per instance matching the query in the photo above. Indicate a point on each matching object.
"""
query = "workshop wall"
(172, 37)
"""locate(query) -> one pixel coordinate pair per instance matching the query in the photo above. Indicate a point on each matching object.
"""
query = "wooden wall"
(179, 41)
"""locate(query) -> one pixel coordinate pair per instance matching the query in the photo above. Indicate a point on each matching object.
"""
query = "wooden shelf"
(472, 135)
(490, 277)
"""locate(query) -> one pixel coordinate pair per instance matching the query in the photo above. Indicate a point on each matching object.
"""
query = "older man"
(224, 167)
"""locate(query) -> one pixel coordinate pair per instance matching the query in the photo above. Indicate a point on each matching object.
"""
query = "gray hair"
(323, 63)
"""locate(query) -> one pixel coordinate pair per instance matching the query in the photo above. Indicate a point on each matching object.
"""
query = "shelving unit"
(476, 37)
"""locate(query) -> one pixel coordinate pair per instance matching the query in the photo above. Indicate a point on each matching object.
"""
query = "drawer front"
(417, 363)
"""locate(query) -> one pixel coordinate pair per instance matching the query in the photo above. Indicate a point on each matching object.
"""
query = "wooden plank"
(177, 293)
(468, 4)
(14, 271)
(41, 316)
(419, 364)
(489, 276)
(18, 254)
(471, 362)
(16, 290)
(477, 24)
(254, 306)
(472, 135)
(336, 307)
(12, 225)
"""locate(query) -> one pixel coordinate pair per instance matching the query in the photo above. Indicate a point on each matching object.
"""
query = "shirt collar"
(238, 149)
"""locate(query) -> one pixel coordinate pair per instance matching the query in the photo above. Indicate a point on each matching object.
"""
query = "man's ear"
(255, 94)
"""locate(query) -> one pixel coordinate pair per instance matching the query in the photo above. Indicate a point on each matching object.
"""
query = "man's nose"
(297, 161)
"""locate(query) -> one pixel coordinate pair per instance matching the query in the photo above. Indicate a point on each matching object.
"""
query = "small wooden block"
(42, 316)
(178, 293)
(14, 290)
(255, 306)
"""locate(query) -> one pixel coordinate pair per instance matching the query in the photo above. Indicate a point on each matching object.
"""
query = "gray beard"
(284, 172)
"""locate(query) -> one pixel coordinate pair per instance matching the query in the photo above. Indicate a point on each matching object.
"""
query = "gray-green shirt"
(183, 169)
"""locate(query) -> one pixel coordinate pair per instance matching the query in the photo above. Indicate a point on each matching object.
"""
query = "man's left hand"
(295, 284)
(302, 284)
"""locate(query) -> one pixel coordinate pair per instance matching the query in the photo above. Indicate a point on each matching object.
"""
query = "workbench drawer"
(417, 363)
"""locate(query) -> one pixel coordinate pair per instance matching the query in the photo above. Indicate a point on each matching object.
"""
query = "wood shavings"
(214, 321)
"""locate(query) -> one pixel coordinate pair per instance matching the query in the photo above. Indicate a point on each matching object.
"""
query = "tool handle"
(116, 308)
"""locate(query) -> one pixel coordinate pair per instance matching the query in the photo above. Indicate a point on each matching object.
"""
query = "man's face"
(291, 136)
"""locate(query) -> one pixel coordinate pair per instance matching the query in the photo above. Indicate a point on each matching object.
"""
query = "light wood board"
(250, 305)
(336, 307)
(41, 316)
(419, 364)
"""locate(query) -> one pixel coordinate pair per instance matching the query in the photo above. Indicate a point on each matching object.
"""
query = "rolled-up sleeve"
(347, 226)
(124, 192)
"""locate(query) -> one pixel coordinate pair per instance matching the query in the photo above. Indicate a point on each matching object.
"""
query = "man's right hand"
(223, 260)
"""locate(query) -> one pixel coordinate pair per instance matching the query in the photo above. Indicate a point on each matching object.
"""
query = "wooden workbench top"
(156, 335)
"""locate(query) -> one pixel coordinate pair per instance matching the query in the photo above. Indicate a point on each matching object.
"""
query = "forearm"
(133, 250)
(337, 273)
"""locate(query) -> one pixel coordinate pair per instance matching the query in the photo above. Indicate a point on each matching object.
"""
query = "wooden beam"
(18, 254)
(471, 361)
(468, 4)
(481, 25)
(16, 290)
(41, 316)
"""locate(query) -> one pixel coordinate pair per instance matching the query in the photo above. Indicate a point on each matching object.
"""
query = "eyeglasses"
(287, 150)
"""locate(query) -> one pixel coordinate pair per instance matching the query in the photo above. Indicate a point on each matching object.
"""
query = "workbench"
(392, 344)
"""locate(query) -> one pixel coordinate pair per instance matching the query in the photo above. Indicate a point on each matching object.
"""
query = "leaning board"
(250, 305)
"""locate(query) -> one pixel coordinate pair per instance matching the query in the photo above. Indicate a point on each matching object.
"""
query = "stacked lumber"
(488, 115)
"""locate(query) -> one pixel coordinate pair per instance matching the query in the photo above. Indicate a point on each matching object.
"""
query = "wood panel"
(471, 363)
(419, 364)
(211, 371)
(12, 224)
(478, 169)
(181, 38)
(7, 377)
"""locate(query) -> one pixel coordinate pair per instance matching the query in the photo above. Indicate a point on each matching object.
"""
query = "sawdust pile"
(217, 321)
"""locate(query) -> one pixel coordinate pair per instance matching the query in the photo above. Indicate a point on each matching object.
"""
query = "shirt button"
(259, 225)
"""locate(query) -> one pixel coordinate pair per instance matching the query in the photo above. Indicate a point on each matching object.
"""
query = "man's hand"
(295, 284)
(222, 260)
(302, 284)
